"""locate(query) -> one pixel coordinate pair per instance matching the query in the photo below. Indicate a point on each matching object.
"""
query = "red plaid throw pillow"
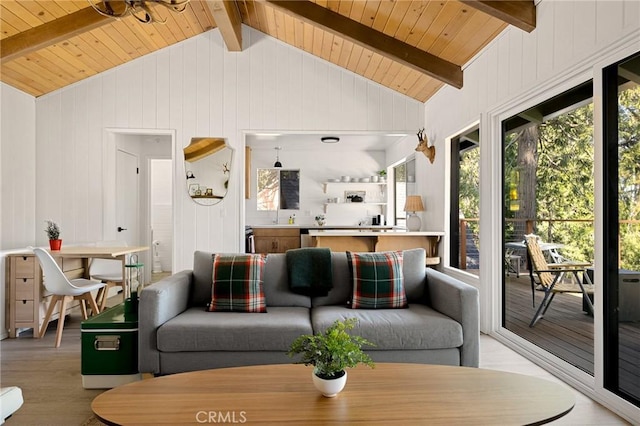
(237, 283)
(378, 282)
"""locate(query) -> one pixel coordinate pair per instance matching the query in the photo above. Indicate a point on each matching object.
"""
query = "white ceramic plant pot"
(329, 388)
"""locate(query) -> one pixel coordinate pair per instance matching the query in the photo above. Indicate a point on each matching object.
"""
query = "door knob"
(120, 229)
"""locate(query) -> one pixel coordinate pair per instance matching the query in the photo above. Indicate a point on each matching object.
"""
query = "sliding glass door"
(621, 106)
(548, 191)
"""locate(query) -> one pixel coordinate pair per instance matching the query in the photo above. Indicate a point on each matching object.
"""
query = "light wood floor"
(52, 386)
(567, 332)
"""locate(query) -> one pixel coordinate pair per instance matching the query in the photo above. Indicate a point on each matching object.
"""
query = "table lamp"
(412, 205)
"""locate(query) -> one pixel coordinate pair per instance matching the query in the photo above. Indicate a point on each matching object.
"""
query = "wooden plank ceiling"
(413, 47)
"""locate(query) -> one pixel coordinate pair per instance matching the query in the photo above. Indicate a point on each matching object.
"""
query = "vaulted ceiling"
(412, 47)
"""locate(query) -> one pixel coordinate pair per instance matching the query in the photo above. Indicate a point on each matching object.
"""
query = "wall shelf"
(326, 184)
(354, 204)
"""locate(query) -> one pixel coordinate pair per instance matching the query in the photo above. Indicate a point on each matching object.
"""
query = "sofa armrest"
(159, 303)
(461, 302)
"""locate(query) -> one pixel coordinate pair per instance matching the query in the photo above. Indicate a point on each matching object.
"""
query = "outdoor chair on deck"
(550, 278)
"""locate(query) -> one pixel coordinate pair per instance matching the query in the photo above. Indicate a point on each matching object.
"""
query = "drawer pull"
(106, 343)
(24, 302)
(24, 258)
(24, 280)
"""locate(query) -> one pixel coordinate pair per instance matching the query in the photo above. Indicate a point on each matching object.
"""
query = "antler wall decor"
(423, 146)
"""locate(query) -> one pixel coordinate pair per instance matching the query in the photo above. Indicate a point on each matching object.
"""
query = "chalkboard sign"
(290, 189)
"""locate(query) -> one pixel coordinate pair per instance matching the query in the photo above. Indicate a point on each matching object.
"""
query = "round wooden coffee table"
(390, 393)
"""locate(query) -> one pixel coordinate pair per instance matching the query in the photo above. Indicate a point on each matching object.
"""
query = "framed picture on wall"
(193, 188)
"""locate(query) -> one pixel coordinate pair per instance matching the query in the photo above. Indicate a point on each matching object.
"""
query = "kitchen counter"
(363, 240)
(325, 227)
(280, 238)
(367, 232)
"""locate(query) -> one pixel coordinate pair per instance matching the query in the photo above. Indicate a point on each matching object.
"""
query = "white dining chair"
(64, 290)
(108, 271)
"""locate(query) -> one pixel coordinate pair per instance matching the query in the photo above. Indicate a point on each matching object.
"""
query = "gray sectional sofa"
(177, 334)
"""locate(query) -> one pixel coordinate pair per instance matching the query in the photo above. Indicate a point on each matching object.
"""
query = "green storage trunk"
(110, 348)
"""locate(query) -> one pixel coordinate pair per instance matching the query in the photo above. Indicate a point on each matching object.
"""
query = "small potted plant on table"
(330, 353)
(53, 232)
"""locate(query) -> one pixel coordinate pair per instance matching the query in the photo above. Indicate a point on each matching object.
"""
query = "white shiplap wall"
(17, 168)
(573, 39)
(199, 89)
(17, 178)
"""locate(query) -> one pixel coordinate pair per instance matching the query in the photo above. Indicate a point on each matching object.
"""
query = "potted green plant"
(330, 353)
(53, 233)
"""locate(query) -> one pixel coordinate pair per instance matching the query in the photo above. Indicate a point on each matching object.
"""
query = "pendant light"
(277, 163)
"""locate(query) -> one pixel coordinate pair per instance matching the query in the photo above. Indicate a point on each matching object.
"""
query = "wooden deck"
(567, 331)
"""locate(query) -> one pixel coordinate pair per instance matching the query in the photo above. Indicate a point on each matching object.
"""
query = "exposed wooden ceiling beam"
(227, 17)
(519, 13)
(53, 32)
(376, 41)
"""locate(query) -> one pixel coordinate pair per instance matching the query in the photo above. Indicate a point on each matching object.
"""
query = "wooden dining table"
(86, 253)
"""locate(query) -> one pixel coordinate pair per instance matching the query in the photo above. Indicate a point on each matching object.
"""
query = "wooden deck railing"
(529, 227)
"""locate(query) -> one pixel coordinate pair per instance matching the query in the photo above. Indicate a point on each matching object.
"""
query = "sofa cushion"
(276, 284)
(413, 269)
(202, 279)
(197, 330)
(238, 283)
(417, 327)
(378, 282)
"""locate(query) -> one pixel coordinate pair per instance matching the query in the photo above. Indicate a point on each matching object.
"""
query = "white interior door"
(127, 208)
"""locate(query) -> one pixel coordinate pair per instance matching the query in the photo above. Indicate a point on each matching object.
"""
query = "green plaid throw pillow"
(238, 283)
(378, 282)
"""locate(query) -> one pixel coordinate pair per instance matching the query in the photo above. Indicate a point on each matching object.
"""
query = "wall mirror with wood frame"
(207, 163)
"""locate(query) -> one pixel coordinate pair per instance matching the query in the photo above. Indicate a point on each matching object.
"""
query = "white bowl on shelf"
(333, 180)
(345, 178)
(365, 180)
